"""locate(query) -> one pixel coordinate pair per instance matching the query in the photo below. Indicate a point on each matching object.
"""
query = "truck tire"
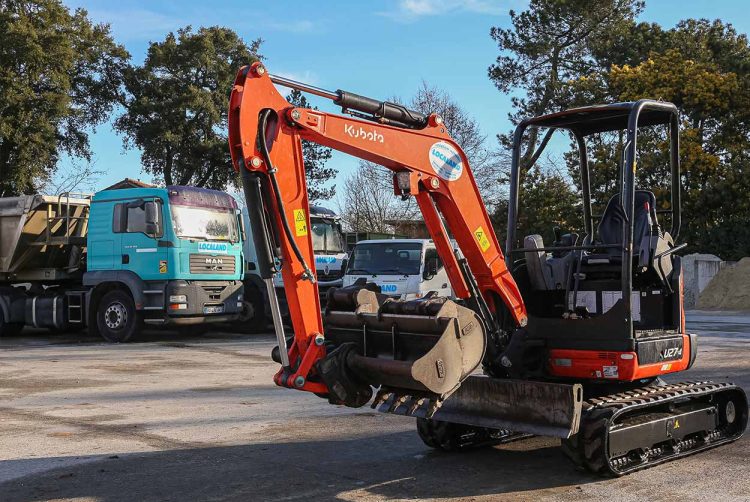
(9, 328)
(253, 315)
(116, 318)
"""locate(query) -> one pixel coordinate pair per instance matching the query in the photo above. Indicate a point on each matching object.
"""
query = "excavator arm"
(265, 134)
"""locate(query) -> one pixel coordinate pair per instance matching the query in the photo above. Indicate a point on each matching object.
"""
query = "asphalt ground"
(177, 417)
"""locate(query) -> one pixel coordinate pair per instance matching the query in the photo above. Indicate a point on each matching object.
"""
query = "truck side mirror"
(430, 269)
(153, 223)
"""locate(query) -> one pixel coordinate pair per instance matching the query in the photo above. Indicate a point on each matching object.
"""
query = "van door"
(439, 282)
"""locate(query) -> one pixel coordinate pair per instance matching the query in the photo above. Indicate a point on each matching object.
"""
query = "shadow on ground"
(389, 466)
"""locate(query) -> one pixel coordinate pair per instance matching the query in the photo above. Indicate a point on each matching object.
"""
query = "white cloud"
(409, 10)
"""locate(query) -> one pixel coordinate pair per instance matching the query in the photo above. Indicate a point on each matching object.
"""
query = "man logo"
(214, 263)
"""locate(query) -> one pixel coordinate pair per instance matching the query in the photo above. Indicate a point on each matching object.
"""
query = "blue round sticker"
(446, 161)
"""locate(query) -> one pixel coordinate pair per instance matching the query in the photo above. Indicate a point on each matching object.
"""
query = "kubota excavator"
(571, 338)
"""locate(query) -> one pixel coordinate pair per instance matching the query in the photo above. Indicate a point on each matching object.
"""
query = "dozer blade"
(425, 346)
(541, 408)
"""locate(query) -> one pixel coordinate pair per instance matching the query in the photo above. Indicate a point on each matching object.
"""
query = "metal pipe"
(278, 325)
(515, 180)
(311, 89)
(569, 248)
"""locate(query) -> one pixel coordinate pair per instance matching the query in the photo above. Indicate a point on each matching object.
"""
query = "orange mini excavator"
(572, 338)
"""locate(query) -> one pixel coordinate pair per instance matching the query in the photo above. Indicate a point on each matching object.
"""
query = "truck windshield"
(386, 258)
(202, 223)
(326, 237)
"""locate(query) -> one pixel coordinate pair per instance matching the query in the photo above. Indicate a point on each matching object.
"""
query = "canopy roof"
(601, 118)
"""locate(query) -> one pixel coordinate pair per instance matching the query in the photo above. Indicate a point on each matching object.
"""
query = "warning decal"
(300, 222)
(484, 242)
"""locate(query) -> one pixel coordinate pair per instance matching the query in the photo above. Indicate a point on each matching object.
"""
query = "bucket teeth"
(434, 405)
(398, 401)
(416, 402)
(380, 398)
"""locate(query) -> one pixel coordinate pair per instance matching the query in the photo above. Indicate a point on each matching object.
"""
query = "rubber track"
(452, 437)
(588, 449)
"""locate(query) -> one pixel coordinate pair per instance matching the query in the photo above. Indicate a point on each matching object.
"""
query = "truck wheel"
(116, 317)
(253, 315)
(9, 328)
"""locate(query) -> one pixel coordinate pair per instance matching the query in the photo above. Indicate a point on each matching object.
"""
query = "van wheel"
(253, 314)
(9, 328)
(116, 317)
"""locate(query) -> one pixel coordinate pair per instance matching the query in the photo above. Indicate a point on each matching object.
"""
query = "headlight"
(177, 298)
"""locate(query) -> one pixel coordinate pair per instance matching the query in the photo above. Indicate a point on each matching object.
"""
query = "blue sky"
(379, 49)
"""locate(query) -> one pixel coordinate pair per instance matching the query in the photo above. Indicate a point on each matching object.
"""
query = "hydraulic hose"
(263, 146)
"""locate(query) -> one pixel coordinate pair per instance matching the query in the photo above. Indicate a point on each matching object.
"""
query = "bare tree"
(486, 164)
(79, 178)
(368, 201)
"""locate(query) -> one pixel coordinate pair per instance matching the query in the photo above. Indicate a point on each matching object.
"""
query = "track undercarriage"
(390, 344)
(625, 432)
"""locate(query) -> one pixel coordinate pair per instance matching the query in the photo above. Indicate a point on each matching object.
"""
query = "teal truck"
(120, 259)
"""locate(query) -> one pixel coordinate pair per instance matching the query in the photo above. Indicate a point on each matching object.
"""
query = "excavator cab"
(615, 288)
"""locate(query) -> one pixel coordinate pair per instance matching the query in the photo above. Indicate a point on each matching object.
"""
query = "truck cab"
(329, 246)
(403, 268)
(176, 250)
(118, 259)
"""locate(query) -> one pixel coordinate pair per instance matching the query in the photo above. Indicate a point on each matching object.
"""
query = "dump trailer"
(119, 259)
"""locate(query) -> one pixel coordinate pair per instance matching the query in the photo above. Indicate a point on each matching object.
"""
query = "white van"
(403, 268)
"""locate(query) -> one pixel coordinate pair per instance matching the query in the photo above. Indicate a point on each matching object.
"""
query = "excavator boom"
(265, 133)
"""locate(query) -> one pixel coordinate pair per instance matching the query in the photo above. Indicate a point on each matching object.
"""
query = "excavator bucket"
(426, 346)
(422, 356)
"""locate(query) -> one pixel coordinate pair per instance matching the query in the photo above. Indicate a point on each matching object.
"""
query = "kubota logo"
(362, 133)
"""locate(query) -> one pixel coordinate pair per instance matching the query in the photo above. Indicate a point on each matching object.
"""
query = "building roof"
(130, 183)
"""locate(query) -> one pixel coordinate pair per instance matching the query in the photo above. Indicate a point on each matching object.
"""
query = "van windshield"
(397, 258)
(326, 237)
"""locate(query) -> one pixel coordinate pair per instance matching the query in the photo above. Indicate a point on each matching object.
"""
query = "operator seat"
(647, 237)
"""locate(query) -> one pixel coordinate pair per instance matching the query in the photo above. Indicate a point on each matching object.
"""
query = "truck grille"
(205, 264)
(330, 276)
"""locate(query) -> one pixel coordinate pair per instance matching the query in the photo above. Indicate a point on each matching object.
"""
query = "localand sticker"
(162, 266)
(481, 236)
(610, 371)
(446, 161)
(300, 222)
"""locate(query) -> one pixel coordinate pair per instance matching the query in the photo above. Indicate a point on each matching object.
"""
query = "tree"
(60, 75)
(315, 158)
(546, 201)
(176, 112)
(550, 43)
(369, 202)
(467, 134)
(703, 67)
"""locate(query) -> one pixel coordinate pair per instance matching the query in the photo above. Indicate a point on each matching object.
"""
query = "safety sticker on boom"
(300, 223)
(446, 161)
(481, 236)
